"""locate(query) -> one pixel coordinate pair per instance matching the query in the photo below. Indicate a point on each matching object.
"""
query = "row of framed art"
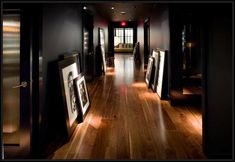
(156, 77)
(74, 92)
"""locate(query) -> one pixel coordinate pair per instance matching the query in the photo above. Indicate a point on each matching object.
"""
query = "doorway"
(146, 41)
(88, 47)
(123, 40)
(192, 45)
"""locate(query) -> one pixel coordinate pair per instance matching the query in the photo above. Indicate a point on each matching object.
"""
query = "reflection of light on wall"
(190, 44)
(85, 44)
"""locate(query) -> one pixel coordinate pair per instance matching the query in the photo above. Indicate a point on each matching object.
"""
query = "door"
(88, 48)
(16, 88)
(146, 41)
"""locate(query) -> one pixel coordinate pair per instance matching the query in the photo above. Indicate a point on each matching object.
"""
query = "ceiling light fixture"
(122, 12)
(112, 8)
(85, 7)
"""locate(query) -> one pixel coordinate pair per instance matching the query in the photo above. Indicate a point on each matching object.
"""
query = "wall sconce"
(189, 45)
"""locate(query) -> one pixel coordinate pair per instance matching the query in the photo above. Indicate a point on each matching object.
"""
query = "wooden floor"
(128, 121)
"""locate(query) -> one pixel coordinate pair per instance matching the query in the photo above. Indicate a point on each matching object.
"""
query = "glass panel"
(11, 77)
(119, 36)
(129, 35)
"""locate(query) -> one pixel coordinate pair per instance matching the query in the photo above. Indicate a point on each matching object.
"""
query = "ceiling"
(133, 11)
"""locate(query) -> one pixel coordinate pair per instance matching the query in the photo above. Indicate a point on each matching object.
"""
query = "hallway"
(128, 121)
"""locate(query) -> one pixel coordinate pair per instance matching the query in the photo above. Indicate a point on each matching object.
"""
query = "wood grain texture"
(127, 120)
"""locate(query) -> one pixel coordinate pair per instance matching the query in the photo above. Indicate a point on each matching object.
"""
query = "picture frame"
(160, 72)
(82, 94)
(155, 55)
(101, 39)
(68, 71)
(74, 56)
(149, 71)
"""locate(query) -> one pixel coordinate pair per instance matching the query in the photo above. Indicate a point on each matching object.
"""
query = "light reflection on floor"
(124, 69)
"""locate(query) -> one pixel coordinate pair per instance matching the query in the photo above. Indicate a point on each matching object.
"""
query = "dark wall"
(217, 116)
(102, 23)
(62, 27)
(61, 34)
(176, 24)
(159, 30)
(140, 38)
(99, 22)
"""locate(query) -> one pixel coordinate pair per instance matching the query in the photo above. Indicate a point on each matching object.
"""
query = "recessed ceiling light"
(85, 7)
(112, 8)
(122, 12)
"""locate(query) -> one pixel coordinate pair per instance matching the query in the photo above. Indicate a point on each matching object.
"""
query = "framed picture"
(82, 94)
(155, 55)
(68, 72)
(75, 56)
(149, 71)
(161, 72)
(102, 45)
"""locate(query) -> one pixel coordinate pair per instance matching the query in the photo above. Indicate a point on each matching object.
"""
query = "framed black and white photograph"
(82, 94)
(155, 55)
(68, 72)
(149, 71)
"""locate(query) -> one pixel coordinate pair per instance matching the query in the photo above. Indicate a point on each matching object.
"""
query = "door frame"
(146, 40)
(24, 148)
(87, 58)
